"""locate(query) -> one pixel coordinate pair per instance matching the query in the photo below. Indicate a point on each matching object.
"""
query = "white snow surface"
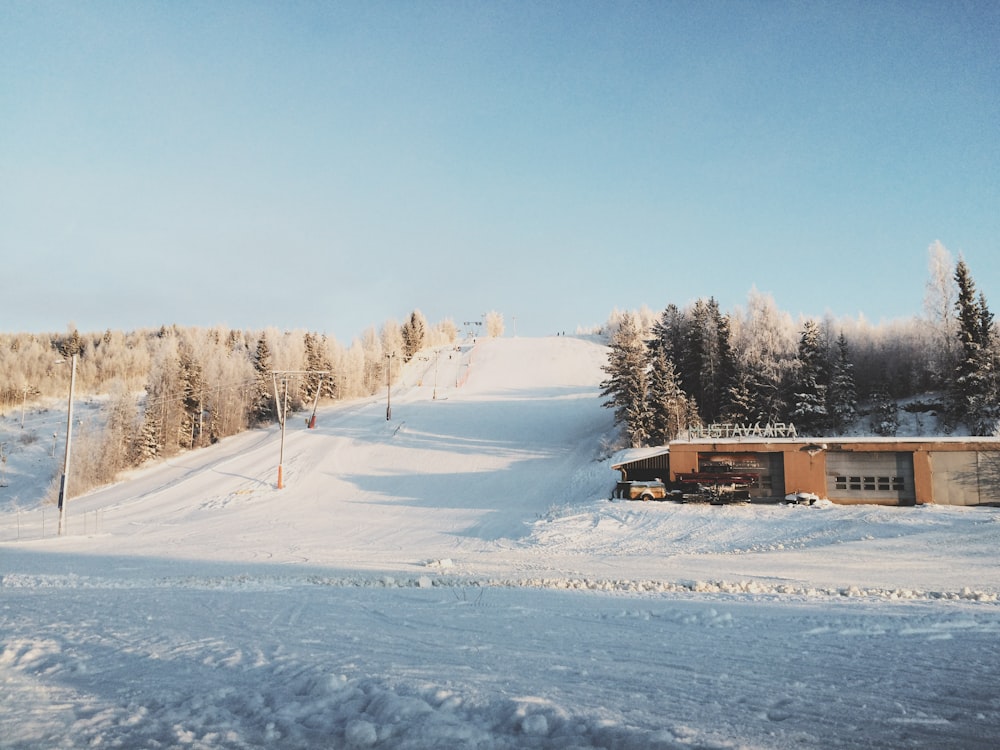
(456, 577)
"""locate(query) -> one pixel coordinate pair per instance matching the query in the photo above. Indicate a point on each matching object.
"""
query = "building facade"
(896, 471)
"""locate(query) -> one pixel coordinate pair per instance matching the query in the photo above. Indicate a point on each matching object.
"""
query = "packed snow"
(457, 577)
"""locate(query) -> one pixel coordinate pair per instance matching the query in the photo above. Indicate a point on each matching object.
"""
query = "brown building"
(882, 471)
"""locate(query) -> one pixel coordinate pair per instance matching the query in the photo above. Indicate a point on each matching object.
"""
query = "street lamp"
(63, 495)
(388, 385)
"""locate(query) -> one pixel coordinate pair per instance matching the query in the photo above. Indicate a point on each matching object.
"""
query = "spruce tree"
(627, 386)
(809, 384)
(669, 406)
(668, 332)
(192, 384)
(842, 396)
(263, 408)
(414, 335)
(739, 404)
(974, 388)
(884, 413)
(728, 370)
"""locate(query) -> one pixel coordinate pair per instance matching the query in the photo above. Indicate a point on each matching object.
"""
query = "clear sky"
(331, 165)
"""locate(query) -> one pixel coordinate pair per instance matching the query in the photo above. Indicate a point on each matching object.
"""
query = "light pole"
(388, 386)
(437, 356)
(69, 429)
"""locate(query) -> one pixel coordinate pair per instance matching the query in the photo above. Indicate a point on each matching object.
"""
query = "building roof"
(631, 455)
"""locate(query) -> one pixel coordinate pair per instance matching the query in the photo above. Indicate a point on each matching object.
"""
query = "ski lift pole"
(312, 419)
(281, 420)
(281, 407)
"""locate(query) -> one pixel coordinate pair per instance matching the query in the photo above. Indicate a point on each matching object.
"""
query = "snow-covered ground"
(456, 577)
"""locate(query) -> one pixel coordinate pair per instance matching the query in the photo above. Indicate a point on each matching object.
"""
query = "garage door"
(965, 477)
(876, 477)
(769, 468)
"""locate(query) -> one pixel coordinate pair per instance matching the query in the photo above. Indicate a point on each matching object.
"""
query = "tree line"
(695, 366)
(175, 388)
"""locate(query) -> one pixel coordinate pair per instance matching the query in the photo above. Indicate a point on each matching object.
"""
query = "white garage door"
(870, 476)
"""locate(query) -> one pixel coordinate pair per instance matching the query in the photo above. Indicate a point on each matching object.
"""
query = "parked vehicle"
(645, 491)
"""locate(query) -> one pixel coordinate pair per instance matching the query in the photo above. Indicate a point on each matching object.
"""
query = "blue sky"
(332, 165)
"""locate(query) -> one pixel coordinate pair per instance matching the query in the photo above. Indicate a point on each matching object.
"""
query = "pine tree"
(70, 345)
(313, 365)
(668, 332)
(974, 389)
(669, 407)
(885, 412)
(263, 408)
(414, 335)
(320, 376)
(627, 386)
(149, 445)
(842, 396)
(192, 386)
(728, 370)
(739, 404)
(809, 384)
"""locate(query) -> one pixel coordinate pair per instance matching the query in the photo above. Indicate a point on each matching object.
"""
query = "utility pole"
(388, 386)
(63, 495)
(437, 356)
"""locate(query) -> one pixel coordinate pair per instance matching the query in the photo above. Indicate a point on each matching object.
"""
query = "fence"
(29, 525)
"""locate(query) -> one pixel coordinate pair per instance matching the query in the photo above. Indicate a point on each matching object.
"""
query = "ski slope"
(455, 576)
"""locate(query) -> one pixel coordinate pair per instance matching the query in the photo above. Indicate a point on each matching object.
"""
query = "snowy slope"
(456, 577)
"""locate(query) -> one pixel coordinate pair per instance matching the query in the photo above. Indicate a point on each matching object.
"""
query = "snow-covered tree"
(192, 393)
(627, 386)
(668, 333)
(809, 381)
(765, 344)
(842, 395)
(162, 412)
(391, 335)
(884, 418)
(320, 378)
(414, 334)
(263, 408)
(974, 389)
(698, 362)
(939, 307)
(670, 409)
(494, 324)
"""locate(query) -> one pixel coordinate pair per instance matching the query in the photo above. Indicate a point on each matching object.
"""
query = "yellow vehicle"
(646, 491)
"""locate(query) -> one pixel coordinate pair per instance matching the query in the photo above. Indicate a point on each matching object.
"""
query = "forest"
(172, 389)
(696, 366)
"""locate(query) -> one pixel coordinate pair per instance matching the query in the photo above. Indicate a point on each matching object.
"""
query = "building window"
(870, 484)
